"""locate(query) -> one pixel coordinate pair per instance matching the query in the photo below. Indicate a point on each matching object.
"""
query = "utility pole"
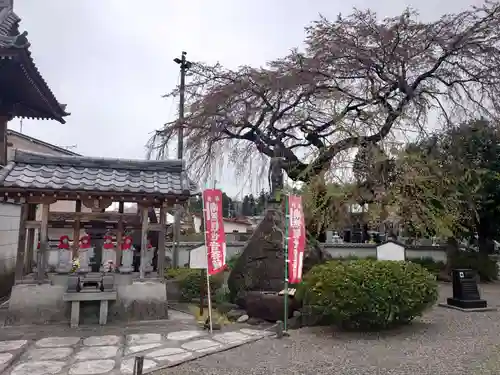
(184, 66)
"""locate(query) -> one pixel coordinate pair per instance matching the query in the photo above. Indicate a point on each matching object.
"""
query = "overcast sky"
(111, 60)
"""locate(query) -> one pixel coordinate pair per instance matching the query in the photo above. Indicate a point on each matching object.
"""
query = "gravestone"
(465, 291)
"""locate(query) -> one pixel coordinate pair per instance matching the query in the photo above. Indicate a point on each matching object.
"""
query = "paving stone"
(92, 367)
(57, 342)
(184, 335)
(212, 349)
(145, 338)
(38, 368)
(49, 353)
(141, 348)
(127, 366)
(175, 357)
(10, 345)
(252, 332)
(165, 352)
(198, 345)
(101, 340)
(6, 357)
(231, 337)
(97, 352)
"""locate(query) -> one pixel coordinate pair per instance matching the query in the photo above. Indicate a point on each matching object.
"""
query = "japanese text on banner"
(296, 239)
(214, 231)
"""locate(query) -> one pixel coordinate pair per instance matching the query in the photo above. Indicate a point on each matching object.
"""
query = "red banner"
(296, 238)
(215, 240)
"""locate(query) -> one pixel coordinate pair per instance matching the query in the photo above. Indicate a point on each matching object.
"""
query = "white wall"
(9, 229)
(229, 226)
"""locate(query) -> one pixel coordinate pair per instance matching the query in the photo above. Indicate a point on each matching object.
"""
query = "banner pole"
(285, 248)
(206, 270)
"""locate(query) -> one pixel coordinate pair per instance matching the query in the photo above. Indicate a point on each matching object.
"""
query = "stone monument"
(64, 263)
(127, 255)
(261, 265)
(84, 253)
(108, 261)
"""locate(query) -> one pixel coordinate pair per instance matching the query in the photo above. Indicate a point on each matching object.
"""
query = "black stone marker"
(465, 291)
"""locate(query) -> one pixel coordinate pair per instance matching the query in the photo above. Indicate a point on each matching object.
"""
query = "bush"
(434, 267)
(485, 267)
(192, 281)
(366, 294)
(231, 262)
(178, 273)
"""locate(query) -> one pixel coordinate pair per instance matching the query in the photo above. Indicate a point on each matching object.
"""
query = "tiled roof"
(12, 40)
(36, 141)
(32, 171)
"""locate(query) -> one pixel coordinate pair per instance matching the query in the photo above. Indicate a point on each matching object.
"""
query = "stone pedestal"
(37, 304)
(84, 259)
(141, 300)
(127, 260)
(64, 264)
(108, 255)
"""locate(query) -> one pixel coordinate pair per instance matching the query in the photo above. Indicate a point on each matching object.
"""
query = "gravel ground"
(443, 342)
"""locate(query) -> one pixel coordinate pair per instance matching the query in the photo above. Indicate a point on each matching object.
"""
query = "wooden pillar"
(44, 242)
(76, 228)
(3, 138)
(119, 234)
(160, 258)
(144, 240)
(30, 241)
(21, 242)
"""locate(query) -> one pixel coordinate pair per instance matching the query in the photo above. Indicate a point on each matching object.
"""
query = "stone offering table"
(83, 296)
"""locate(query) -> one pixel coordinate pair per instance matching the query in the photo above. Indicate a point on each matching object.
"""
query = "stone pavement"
(110, 349)
(114, 354)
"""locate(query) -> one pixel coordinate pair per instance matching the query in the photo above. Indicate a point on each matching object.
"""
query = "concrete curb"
(201, 355)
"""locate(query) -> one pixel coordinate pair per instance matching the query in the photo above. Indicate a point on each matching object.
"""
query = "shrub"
(485, 267)
(434, 267)
(191, 282)
(366, 294)
(231, 262)
(178, 273)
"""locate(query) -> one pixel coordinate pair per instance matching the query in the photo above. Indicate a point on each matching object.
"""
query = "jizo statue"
(108, 262)
(64, 263)
(127, 255)
(84, 254)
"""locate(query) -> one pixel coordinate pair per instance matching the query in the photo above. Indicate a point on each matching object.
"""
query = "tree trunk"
(451, 252)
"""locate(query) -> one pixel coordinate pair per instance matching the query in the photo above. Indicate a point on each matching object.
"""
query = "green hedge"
(192, 280)
(367, 294)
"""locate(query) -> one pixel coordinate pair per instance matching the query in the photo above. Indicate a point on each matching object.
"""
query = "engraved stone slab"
(49, 353)
(101, 340)
(127, 366)
(57, 342)
(183, 335)
(165, 352)
(92, 367)
(145, 338)
(141, 348)
(231, 338)
(175, 357)
(199, 345)
(97, 352)
(10, 345)
(211, 349)
(38, 368)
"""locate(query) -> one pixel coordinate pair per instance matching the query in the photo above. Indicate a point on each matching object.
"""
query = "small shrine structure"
(38, 180)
